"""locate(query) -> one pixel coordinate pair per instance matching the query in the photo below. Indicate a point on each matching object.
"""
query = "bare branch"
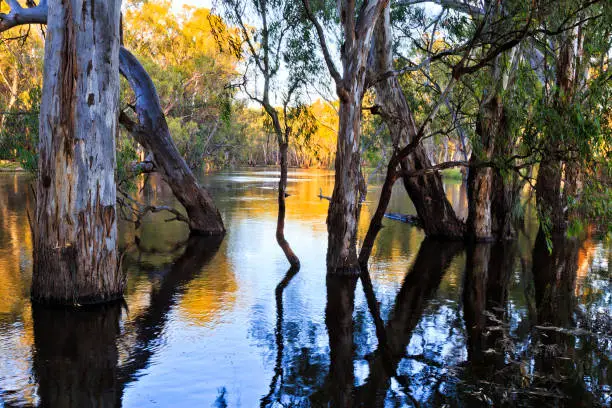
(328, 59)
(21, 16)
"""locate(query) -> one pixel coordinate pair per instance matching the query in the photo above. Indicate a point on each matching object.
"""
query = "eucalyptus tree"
(357, 26)
(571, 124)
(435, 213)
(274, 48)
(75, 225)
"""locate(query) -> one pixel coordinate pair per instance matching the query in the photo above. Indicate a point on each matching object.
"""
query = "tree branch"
(333, 71)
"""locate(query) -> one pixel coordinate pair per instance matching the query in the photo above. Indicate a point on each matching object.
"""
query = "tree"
(75, 226)
(75, 259)
(357, 30)
(268, 50)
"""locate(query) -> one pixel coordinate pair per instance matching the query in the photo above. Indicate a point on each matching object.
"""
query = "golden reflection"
(211, 294)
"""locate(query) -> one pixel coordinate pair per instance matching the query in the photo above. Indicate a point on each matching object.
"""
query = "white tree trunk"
(75, 243)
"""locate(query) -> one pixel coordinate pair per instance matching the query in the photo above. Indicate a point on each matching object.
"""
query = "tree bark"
(548, 184)
(350, 87)
(490, 125)
(152, 132)
(342, 213)
(75, 232)
(426, 191)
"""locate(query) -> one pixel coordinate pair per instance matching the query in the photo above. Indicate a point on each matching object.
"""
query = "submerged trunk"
(152, 132)
(75, 229)
(426, 191)
(280, 223)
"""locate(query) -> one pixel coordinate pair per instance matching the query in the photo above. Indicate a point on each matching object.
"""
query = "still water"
(226, 324)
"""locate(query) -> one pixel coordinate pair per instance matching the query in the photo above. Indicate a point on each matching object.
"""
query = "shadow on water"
(75, 363)
(76, 359)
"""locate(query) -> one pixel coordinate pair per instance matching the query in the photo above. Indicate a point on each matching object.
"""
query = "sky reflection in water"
(224, 323)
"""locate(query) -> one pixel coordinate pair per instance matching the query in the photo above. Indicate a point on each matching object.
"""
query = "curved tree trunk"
(280, 223)
(152, 132)
(75, 231)
(426, 191)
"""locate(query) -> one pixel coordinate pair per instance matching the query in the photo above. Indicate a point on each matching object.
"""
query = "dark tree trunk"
(485, 293)
(490, 125)
(152, 132)
(505, 187)
(548, 195)
(475, 298)
(376, 222)
(280, 223)
(426, 191)
(75, 363)
(550, 199)
(75, 229)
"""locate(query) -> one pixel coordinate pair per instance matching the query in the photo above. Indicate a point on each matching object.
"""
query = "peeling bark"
(75, 240)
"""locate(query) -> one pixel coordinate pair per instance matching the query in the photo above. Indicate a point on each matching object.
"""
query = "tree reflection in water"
(76, 359)
(420, 284)
(276, 384)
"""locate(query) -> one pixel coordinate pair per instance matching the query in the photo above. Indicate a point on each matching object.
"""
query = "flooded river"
(224, 323)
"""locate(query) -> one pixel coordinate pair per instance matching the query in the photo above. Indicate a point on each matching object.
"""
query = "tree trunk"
(75, 232)
(548, 195)
(11, 103)
(280, 223)
(490, 124)
(342, 214)
(548, 184)
(426, 191)
(152, 132)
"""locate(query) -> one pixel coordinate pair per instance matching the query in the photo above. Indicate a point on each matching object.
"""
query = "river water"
(226, 324)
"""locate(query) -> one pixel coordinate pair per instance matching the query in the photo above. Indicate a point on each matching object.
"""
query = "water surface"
(210, 322)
